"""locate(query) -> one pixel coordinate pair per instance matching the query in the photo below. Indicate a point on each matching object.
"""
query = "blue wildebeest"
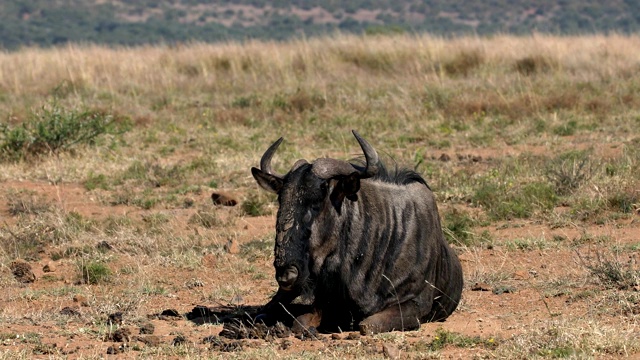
(365, 241)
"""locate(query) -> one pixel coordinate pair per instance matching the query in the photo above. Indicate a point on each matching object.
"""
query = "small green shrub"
(206, 219)
(457, 227)
(96, 181)
(444, 337)
(54, 130)
(94, 272)
(256, 205)
(567, 129)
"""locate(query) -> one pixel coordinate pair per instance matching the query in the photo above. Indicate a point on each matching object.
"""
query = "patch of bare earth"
(515, 292)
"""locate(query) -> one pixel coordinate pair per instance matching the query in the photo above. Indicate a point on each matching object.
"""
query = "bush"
(94, 272)
(54, 130)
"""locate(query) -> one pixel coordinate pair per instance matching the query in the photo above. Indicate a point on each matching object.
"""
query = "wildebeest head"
(302, 194)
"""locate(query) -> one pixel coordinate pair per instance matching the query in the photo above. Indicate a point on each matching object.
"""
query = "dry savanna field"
(111, 245)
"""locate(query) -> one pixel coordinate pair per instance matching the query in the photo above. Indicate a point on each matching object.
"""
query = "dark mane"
(398, 176)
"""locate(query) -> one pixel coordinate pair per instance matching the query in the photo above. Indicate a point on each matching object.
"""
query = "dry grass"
(529, 143)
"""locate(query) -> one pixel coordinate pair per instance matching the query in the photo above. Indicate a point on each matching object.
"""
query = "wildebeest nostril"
(287, 277)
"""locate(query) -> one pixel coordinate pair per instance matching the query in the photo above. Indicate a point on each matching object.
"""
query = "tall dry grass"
(522, 112)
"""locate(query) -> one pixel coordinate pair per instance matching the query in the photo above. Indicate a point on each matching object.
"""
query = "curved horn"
(298, 164)
(326, 168)
(265, 161)
(370, 155)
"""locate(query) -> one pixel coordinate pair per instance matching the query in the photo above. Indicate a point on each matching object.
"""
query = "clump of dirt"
(22, 271)
(147, 328)
(168, 314)
(120, 335)
(224, 198)
(241, 330)
(218, 344)
(69, 311)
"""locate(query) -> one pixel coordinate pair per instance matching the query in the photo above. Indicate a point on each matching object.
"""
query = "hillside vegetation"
(109, 157)
(41, 22)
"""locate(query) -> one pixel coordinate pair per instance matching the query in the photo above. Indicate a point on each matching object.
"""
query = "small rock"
(285, 344)
(280, 331)
(69, 311)
(49, 267)
(309, 333)
(194, 283)
(232, 246)
(115, 318)
(114, 350)
(353, 336)
(147, 327)
(223, 198)
(22, 271)
(179, 340)
(121, 335)
(503, 289)
(104, 246)
(444, 157)
(390, 351)
(480, 287)
(188, 202)
(224, 346)
(211, 339)
(336, 336)
(170, 312)
(81, 299)
(149, 340)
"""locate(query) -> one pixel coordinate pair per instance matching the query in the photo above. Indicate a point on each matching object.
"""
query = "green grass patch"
(503, 202)
(55, 129)
(94, 272)
(445, 338)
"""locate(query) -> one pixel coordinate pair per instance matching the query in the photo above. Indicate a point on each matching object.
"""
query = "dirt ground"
(513, 296)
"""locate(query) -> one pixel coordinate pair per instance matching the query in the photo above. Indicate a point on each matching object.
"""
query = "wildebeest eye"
(324, 186)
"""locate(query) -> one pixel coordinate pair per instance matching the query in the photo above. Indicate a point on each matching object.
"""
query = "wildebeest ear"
(347, 187)
(267, 181)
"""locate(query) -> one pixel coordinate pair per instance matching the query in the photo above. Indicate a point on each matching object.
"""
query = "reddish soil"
(527, 289)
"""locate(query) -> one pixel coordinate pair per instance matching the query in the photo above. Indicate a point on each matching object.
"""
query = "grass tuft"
(611, 272)
(94, 272)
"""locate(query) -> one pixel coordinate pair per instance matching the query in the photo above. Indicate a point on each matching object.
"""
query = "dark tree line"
(129, 22)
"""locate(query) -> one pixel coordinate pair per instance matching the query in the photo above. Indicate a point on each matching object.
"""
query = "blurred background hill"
(135, 22)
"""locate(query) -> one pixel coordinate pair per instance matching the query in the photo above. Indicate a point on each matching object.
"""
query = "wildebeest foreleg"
(396, 317)
(276, 310)
(306, 321)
